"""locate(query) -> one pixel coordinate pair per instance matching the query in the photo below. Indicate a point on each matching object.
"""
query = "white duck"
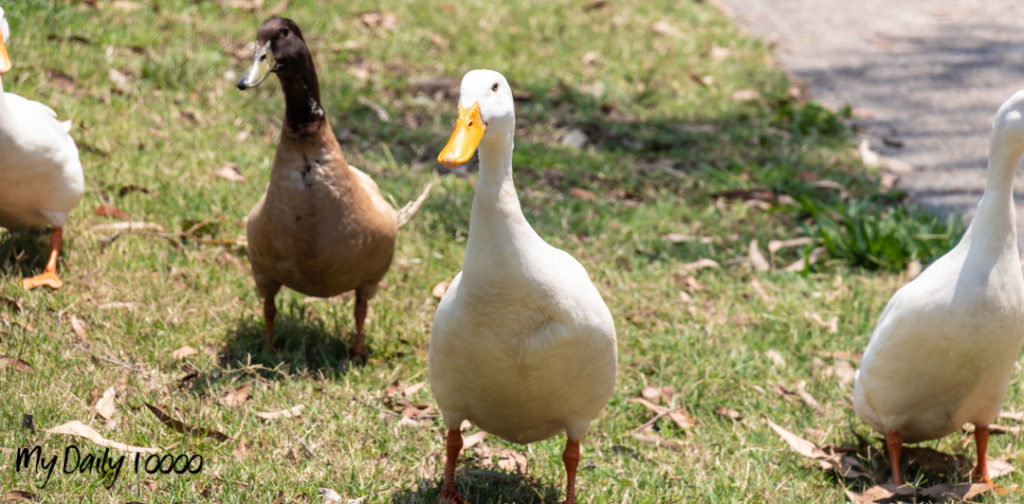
(40, 174)
(522, 345)
(945, 345)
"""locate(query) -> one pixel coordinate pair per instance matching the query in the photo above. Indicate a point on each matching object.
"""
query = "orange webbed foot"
(47, 278)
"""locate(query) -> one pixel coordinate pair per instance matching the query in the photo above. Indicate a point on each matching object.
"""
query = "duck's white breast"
(523, 361)
(40, 173)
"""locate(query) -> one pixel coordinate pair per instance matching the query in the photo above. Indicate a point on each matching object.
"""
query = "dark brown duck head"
(281, 49)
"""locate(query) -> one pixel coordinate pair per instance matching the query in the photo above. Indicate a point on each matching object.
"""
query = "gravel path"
(929, 76)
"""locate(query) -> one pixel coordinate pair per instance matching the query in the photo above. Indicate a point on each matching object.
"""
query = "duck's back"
(943, 350)
(40, 172)
(524, 357)
(321, 228)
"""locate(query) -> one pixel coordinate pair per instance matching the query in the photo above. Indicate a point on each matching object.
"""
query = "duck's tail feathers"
(406, 213)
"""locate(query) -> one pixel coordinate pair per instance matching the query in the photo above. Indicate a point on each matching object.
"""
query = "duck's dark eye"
(495, 87)
(284, 32)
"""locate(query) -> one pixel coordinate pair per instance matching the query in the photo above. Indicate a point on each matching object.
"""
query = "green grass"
(666, 138)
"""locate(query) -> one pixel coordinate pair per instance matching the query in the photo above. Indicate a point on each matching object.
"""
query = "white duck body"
(40, 173)
(946, 343)
(522, 344)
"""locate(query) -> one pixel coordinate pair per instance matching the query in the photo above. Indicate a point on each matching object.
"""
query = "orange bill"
(5, 60)
(469, 129)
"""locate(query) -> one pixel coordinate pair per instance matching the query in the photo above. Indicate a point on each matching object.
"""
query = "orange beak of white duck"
(469, 129)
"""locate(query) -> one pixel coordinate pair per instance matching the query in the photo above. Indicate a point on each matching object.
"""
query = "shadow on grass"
(304, 341)
(483, 486)
(24, 253)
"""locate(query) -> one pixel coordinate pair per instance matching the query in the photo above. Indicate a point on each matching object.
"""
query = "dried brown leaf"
(294, 411)
(913, 269)
(330, 496)
(683, 237)
(242, 450)
(831, 324)
(15, 363)
(840, 354)
(110, 211)
(278, 9)
(230, 171)
(745, 95)
(124, 5)
(128, 226)
(801, 389)
(786, 394)
(79, 328)
(182, 427)
(104, 406)
(658, 441)
(776, 357)
(410, 390)
(660, 410)
(999, 467)
(185, 351)
(502, 458)
(379, 21)
(574, 139)
(996, 429)
(757, 259)
(238, 396)
(473, 439)
(582, 194)
(962, 492)
(700, 264)
(119, 79)
(19, 495)
(79, 429)
(682, 419)
(761, 292)
(843, 371)
(934, 460)
(654, 393)
(881, 492)
(246, 5)
(777, 245)
(415, 411)
(729, 413)
(665, 28)
(816, 254)
(439, 289)
(829, 457)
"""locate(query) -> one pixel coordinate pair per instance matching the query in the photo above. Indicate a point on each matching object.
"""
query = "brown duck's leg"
(49, 276)
(359, 347)
(571, 459)
(269, 313)
(453, 446)
(981, 443)
(894, 443)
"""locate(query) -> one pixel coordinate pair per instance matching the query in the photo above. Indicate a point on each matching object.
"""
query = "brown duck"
(322, 227)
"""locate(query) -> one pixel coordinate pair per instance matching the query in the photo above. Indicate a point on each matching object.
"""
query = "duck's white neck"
(498, 231)
(5, 113)
(996, 219)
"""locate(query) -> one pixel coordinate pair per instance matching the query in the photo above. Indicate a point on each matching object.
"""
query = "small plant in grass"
(867, 234)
